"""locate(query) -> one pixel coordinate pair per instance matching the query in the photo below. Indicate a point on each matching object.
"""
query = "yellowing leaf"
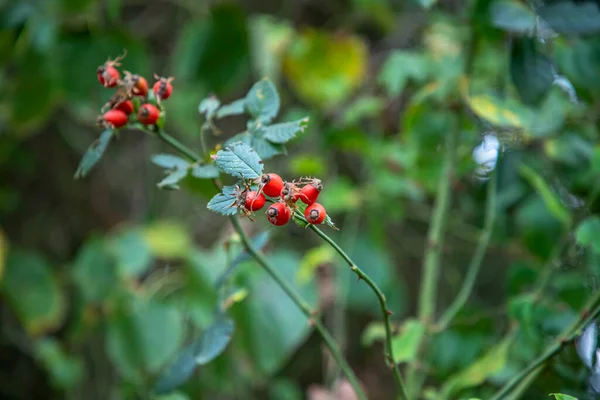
(167, 239)
(492, 110)
(311, 260)
(324, 69)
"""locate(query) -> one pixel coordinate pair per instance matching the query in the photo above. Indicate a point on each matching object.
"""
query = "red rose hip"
(163, 88)
(125, 106)
(254, 201)
(279, 214)
(310, 192)
(108, 75)
(148, 114)
(272, 184)
(315, 213)
(115, 118)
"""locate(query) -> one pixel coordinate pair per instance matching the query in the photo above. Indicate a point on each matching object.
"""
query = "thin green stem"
(389, 356)
(285, 286)
(586, 315)
(304, 307)
(431, 263)
(475, 265)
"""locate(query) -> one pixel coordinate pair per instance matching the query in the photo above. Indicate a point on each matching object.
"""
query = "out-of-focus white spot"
(566, 86)
(486, 156)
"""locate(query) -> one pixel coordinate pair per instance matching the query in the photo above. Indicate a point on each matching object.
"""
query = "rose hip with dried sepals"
(113, 118)
(125, 106)
(290, 192)
(254, 201)
(107, 74)
(136, 84)
(279, 214)
(310, 192)
(315, 213)
(271, 184)
(148, 114)
(162, 88)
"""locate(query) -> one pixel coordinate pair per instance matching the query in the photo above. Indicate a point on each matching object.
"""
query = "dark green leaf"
(224, 203)
(171, 180)
(212, 342)
(531, 71)
(262, 101)
(281, 133)
(94, 153)
(94, 272)
(234, 108)
(64, 369)
(206, 171)
(33, 292)
(512, 16)
(169, 161)
(588, 233)
(209, 106)
(572, 18)
(239, 160)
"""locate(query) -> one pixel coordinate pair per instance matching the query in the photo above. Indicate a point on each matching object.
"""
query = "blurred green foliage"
(112, 288)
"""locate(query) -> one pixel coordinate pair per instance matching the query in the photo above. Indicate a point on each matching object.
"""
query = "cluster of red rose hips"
(287, 194)
(131, 87)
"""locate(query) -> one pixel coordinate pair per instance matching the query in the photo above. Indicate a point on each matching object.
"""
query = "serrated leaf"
(212, 342)
(531, 70)
(206, 171)
(262, 101)
(233, 108)
(572, 18)
(512, 16)
(551, 200)
(224, 203)
(169, 161)
(281, 133)
(209, 106)
(239, 160)
(588, 233)
(93, 154)
(171, 180)
(406, 345)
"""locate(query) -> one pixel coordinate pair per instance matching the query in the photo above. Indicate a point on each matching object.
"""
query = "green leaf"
(33, 292)
(94, 154)
(406, 344)
(131, 251)
(168, 239)
(588, 233)
(206, 171)
(560, 396)
(224, 203)
(262, 101)
(171, 180)
(239, 160)
(281, 133)
(234, 108)
(512, 16)
(374, 331)
(256, 140)
(400, 67)
(571, 18)
(363, 108)
(485, 367)
(210, 344)
(551, 200)
(143, 336)
(169, 161)
(209, 106)
(95, 272)
(501, 113)
(531, 71)
(259, 241)
(312, 259)
(64, 369)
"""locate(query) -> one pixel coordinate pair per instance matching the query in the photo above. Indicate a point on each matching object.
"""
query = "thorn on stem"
(389, 312)
(311, 322)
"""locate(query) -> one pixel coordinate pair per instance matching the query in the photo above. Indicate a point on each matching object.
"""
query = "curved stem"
(304, 307)
(586, 315)
(475, 265)
(389, 356)
(279, 279)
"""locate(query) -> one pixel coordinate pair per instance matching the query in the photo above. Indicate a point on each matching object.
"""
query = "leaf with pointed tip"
(171, 180)
(209, 106)
(169, 161)
(93, 154)
(233, 108)
(239, 160)
(569, 17)
(262, 101)
(224, 203)
(206, 171)
(281, 133)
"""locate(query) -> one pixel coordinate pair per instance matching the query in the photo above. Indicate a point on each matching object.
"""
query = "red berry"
(125, 106)
(140, 87)
(148, 114)
(254, 201)
(289, 192)
(108, 75)
(279, 214)
(310, 192)
(163, 88)
(272, 184)
(115, 118)
(315, 213)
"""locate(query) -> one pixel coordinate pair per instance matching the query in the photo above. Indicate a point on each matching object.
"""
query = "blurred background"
(104, 279)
